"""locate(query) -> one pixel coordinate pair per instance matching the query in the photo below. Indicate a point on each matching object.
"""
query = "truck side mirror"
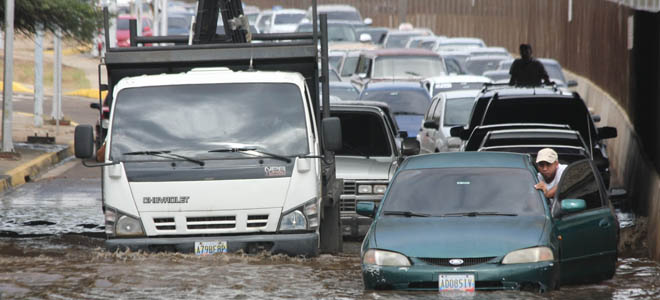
(596, 118)
(457, 131)
(403, 134)
(84, 141)
(94, 105)
(365, 38)
(332, 133)
(431, 125)
(103, 87)
(571, 83)
(410, 146)
(607, 132)
(368, 21)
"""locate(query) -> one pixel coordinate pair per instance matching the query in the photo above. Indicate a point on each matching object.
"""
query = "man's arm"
(542, 72)
(513, 72)
(544, 188)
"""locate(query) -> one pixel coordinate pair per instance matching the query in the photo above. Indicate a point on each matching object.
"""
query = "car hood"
(362, 168)
(410, 123)
(457, 237)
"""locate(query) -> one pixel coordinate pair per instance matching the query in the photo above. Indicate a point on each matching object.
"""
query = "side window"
(438, 112)
(580, 182)
(453, 67)
(264, 22)
(363, 65)
(429, 112)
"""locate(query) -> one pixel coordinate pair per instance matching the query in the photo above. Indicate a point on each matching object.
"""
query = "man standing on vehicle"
(550, 171)
(527, 70)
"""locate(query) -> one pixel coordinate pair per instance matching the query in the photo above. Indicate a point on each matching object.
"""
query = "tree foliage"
(78, 19)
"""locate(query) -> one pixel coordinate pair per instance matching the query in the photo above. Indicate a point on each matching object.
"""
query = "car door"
(427, 144)
(438, 137)
(588, 238)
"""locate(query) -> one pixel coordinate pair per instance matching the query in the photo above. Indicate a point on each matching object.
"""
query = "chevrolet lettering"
(165, 200)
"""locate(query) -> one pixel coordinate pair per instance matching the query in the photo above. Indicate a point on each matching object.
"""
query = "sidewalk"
(31, 159)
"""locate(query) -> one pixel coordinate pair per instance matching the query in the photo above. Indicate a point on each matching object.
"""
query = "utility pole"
(39, 76)
(56, 112)
(7, 110)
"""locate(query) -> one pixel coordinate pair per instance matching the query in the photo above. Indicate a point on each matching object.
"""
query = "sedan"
(471, 221)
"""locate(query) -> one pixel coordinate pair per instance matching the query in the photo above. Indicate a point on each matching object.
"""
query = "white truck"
(218, 148)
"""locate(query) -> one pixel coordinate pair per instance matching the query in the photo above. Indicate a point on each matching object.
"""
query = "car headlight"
(121, 224)
(529, 255)
(380, 189)
(385, 258)
(365, 189)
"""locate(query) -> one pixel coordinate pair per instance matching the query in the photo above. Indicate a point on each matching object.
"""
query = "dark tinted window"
(200, 117)
(288, 18)
(456, 190)
(457, 111)
(122, 24)
(414, 102)
(363, 134)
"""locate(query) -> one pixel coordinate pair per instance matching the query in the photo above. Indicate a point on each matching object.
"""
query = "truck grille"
(348, 205)
(471, 261)
(211, 222)
(255, 221)
(165, 223)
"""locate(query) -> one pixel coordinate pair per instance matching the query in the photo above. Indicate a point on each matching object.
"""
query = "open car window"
(579, 181)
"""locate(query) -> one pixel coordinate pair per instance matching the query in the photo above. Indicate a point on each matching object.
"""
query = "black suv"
(504, 104)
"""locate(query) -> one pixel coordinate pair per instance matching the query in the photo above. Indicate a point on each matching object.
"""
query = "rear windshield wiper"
(165, 154)
(405, 213)
(254, 149)
(479, 213)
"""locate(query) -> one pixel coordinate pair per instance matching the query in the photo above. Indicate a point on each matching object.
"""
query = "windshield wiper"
(413, 73)
(165, 154)
(479, 213)
(407, 113)
(254, 149)
(405, 213)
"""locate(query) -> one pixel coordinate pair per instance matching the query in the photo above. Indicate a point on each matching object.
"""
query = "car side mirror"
(457, 131)
(431, 125)
(366, 208)
(332, 133)
(103, 87)
(607, 132)
(410, 146)
(403, 134)
(94, 105)
(84, 141)
(368, 21)
(571, 83)
(573, 205)
(595, 118)
(362, 75)
(365, 38)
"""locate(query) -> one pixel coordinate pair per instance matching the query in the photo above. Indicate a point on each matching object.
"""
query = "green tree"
(78, 19)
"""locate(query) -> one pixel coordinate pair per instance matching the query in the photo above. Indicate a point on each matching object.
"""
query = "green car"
(473, 221)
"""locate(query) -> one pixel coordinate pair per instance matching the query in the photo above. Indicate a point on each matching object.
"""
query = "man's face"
(526, 53)
(548, 170)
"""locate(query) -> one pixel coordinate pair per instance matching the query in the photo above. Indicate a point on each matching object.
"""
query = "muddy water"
(51, 247)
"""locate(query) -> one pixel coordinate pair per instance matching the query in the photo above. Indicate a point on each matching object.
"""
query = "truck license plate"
(456, 282)
(211, 247)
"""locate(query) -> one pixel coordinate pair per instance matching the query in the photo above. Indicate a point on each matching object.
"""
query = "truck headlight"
(118, 223)
(529, 255)
(385, 258)
(294, 220)
(380, 189)
(365, 189)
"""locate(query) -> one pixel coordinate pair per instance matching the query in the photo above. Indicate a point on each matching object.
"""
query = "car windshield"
(288, 18)
(336, 32)
(122, 24)
(554, 71)
(344, 16)
(350, 62)
(457, 111)
(478, 67)
(196, 118)
(407, 67)
(456, 86)
(445, 191)
(401, 101)
(363, 134)
(399, 40)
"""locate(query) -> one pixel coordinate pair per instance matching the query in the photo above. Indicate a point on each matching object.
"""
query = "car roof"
(462, 40)
(400, 52)
(467, 160)
(486, 58)
(461, 94)
(334, 7)
(458, 78)
(396, 85)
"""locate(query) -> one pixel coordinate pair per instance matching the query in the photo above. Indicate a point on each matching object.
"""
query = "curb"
(25, 172)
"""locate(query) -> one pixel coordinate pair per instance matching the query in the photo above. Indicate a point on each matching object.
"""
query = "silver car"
(446, 111)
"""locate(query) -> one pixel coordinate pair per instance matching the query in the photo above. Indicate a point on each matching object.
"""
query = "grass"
(72, 78)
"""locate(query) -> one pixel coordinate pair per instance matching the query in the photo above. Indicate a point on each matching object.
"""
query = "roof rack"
(494, 86)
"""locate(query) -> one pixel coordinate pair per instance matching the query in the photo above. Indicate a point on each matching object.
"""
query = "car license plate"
(212, 247)
(456, 282)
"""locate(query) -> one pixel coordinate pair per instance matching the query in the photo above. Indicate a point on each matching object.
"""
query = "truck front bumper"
(294, 244)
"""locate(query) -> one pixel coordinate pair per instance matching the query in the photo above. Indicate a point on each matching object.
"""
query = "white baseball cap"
(547, 155)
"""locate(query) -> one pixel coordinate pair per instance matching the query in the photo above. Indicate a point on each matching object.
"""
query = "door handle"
(604, 223)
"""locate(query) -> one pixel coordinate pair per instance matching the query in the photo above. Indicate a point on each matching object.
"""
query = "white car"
(446, 111)
(447, 83)
(460, 43)
(279, 21)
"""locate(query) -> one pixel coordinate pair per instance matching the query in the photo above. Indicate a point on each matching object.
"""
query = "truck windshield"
(196, 118)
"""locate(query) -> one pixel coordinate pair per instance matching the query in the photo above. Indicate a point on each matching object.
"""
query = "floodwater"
(51, 247)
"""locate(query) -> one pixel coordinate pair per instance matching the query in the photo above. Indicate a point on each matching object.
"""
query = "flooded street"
(51, 247)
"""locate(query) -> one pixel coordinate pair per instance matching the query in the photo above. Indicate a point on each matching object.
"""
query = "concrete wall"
(630, 167)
